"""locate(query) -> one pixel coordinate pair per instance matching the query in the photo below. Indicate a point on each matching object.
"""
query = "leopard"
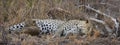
(46, 26)
(54, 27)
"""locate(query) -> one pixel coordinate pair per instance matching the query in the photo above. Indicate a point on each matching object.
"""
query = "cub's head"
(83, 26)
(30, 22)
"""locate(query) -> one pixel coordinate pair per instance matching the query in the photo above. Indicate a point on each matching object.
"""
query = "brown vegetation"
(16, 11)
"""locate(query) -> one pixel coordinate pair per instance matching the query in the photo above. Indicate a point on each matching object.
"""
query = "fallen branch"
(102, 22)
(99, 21)
(101, 13)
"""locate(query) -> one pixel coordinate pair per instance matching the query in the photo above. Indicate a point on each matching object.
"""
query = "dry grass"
(16, 11)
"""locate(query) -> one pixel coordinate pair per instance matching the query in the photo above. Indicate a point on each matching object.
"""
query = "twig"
(99, 21)
(109, 4)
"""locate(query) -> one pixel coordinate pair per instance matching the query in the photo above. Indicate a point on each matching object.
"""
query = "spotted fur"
(45, 25)
(48, 25)
(55, 27)
(72, 26)
(17, 26)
